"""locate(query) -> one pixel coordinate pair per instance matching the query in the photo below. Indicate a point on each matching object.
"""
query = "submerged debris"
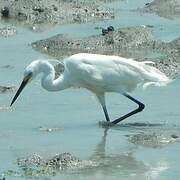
(45, 129)
(7, 89)
(5, 12)
(63, 161)
(7, 66)
(58, 162)
(37, 166)
(153, 140)
(4, 108)
(156, 138)
(7, 31)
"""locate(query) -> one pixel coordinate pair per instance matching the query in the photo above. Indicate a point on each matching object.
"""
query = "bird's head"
(30, 73)
(32, 70)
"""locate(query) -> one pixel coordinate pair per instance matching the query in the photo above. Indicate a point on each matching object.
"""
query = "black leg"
(101, 99)
(139, 109)
(106, 113)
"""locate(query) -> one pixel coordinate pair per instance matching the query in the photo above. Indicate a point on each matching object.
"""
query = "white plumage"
(99, 74)
(102, 73)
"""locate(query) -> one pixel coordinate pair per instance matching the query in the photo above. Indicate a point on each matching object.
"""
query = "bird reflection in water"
(124, 164)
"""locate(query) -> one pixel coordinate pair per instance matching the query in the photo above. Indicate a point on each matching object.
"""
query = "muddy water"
(75, 113)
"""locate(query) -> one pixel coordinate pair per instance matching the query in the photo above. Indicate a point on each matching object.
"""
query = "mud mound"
(166, 8)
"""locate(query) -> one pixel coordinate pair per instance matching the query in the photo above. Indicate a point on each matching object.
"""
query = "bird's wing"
(110, 75)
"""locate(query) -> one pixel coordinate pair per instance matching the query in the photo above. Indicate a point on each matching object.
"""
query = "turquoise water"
(76, 112)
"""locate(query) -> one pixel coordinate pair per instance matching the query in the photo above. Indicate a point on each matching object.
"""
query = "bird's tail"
(153, 76)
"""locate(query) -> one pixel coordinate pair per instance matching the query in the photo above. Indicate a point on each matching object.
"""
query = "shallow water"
(76, 113)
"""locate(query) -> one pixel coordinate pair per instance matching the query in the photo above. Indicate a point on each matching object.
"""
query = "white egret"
(98, 73)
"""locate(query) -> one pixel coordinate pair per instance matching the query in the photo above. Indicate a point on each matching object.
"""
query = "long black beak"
(23, 84)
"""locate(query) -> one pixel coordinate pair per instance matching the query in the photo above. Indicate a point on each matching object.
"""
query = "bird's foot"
(105, 124)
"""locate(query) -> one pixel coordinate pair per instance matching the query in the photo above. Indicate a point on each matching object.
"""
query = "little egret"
(98, 73)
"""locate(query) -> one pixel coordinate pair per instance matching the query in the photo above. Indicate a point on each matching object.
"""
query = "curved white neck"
(48, 80)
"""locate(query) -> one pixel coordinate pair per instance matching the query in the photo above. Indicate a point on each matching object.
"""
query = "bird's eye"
(30, 73)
